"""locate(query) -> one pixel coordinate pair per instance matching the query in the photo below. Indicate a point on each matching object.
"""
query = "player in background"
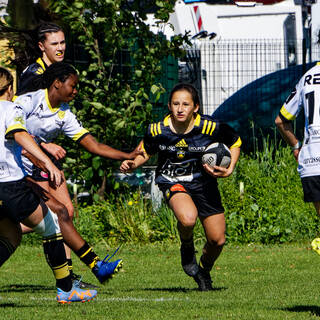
(50, 47)
(48, 115)
(189, 187)
(305, 98)
(18, 202)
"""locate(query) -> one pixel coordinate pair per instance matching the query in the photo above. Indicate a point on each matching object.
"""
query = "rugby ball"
(217, 154)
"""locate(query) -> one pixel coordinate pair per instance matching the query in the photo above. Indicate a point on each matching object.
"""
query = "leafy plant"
(119, 85)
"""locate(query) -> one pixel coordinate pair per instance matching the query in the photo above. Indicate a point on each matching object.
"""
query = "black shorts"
(311, 188)
(206, 197)
(38, 174)
(17, 200)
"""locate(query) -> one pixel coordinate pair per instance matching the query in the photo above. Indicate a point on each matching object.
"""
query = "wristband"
(296, 146)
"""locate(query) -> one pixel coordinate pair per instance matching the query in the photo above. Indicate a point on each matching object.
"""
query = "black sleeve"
(29, 82)
(149, 143)
(226, 134)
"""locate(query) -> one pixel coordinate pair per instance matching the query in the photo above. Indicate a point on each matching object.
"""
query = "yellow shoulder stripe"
(237, 144)
(287, 114)
(77, 136)
(208, 127)
(155, 129)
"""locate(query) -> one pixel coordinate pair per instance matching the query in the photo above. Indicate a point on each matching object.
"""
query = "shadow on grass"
(25, 288)
(8, 305)
(315, 310)
(181, 289)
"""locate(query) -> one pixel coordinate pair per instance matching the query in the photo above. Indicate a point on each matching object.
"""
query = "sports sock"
(6, 250)
(87, 255)
(56, 257)
(187, 242)
(207, 266)
(70, 266)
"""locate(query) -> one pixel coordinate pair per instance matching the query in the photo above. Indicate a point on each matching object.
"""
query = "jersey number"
(310, 99)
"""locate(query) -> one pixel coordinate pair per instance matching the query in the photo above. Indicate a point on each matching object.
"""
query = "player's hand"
(55, 150)
(136, 152)
(127, 166)
(55, 175)
(218, 172)
(296, 154)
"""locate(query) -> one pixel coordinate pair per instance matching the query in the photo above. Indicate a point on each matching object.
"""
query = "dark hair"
(186, 87)
(46, 27)
(57, 70)
(6, 80)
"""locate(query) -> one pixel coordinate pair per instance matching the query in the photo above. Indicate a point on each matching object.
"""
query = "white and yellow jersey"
(46, 122)
(12, 119)
(306, 96)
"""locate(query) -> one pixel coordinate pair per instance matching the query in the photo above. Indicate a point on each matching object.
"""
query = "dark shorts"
(38, 174)
(311, 188)
(206, 197)
(17, 200)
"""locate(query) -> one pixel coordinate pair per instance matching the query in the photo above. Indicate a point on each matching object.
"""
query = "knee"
(62, 212)
(187, 222)
(218, 241)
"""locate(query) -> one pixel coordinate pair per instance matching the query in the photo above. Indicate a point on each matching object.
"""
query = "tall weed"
(271, 208)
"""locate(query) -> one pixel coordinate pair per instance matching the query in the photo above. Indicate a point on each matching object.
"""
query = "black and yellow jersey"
(30, 79)
(179, 155)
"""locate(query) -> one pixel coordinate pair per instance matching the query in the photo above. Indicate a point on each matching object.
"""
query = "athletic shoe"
(203, 279)
(77, 282)
(315, 244)
(104, 270)
(75, 295)
(188, 260)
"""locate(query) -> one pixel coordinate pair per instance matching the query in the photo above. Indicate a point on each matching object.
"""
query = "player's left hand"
(54, 149)
(218, 172)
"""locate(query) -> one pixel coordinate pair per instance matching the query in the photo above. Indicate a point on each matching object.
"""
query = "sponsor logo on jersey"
(180, 154)
(311, 160)
(19, 119)
(178, 187)
(170, 148)
(182, 144)
(196, 149)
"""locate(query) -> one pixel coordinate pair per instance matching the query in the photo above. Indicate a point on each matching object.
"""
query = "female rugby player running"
(48, 115)
(189, 187)
(19, 203)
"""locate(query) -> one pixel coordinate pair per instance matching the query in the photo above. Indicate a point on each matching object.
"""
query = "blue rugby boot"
(105, 269)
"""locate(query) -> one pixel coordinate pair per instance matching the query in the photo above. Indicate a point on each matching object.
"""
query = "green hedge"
(271, 207)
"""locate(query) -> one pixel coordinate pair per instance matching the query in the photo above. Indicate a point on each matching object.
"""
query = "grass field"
(251, 282)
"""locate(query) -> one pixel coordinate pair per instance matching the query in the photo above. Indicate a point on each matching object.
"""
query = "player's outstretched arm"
(130, 165)
(103, 150)
(27, 142)
(221, 172)
(286, 130)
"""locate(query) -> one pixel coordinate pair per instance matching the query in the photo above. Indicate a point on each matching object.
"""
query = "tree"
(119, 84)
